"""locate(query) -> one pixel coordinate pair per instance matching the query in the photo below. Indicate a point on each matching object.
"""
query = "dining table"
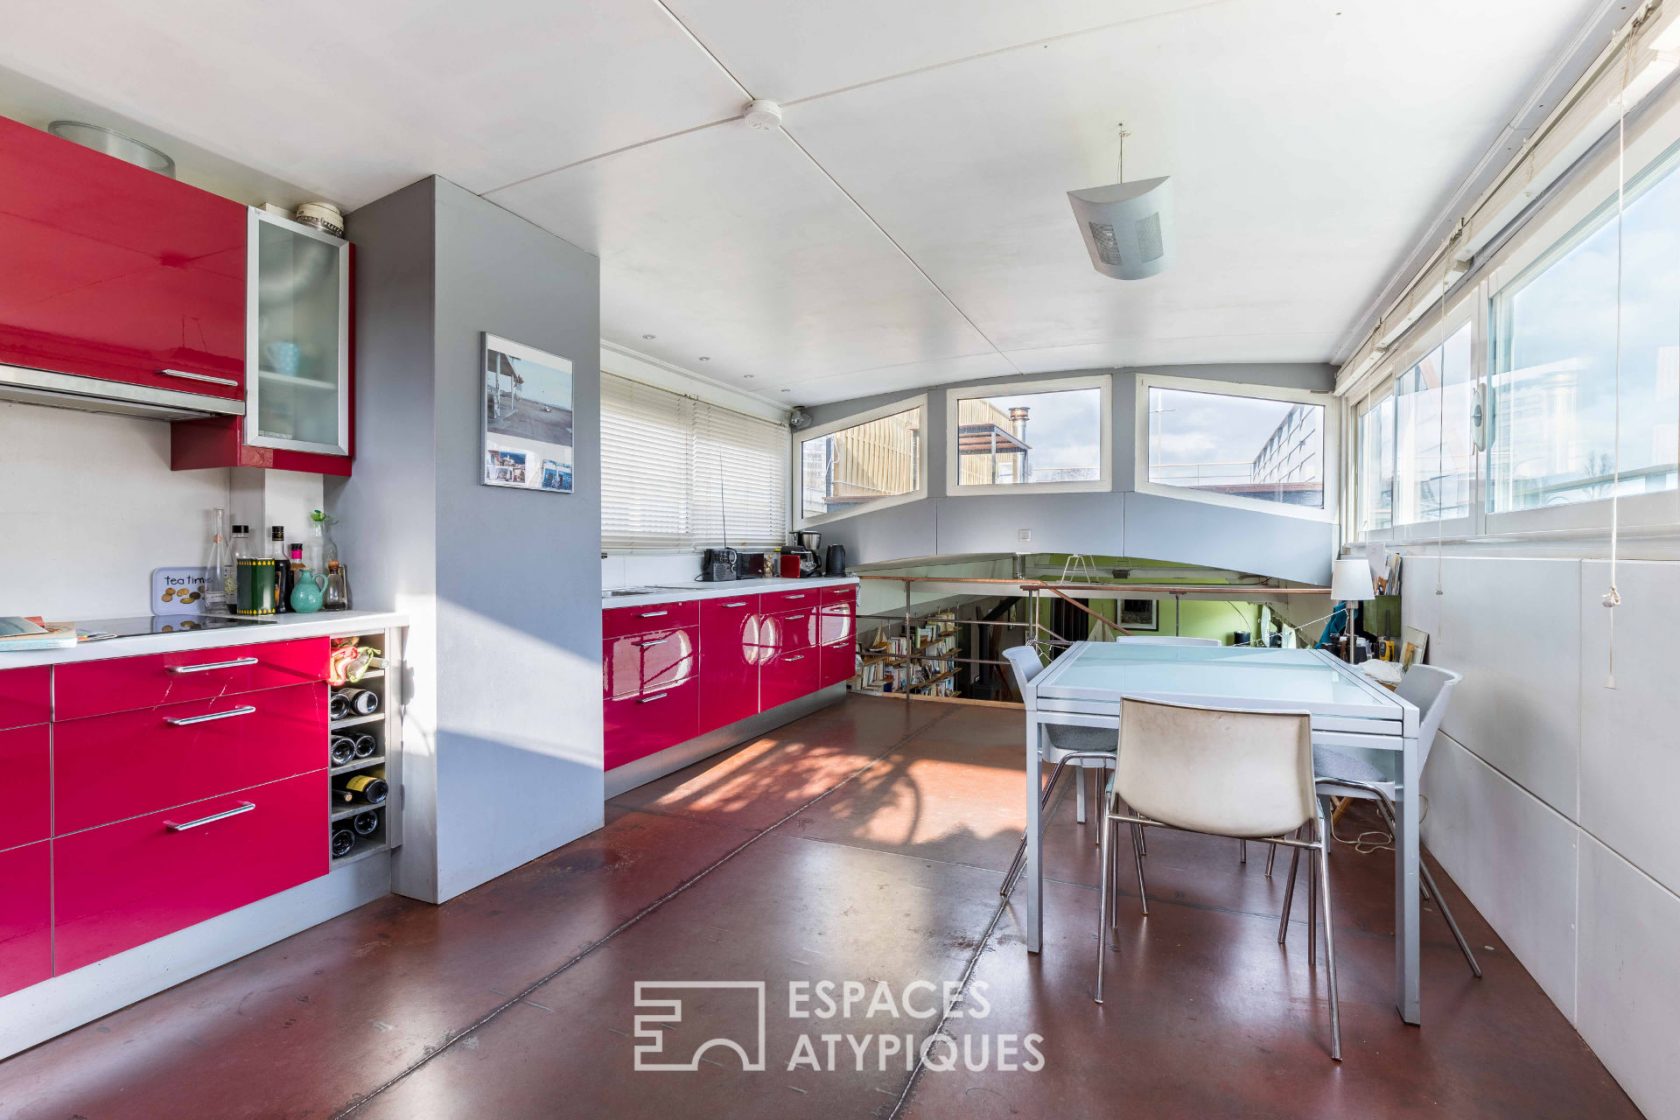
(1085, 685)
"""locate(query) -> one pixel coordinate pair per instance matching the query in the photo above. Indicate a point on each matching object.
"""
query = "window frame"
(1104, 481)
(1329, 457)
(917, 403)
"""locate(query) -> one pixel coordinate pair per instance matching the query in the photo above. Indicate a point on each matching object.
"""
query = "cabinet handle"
(794, 657)
(732, 606)
(793, 596)
(651, 699)
(242, 807)
(184, 375)
(188, 721)
(236, 663)
(653, 642)
(653, 614)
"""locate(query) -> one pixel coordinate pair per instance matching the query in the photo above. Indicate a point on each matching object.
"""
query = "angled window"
(1235, 445)
(1051, 436)
(869, 461)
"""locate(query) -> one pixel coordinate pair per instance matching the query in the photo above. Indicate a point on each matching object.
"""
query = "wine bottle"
(361, 787)
(341, 750)
(342, 841)
(337, 707)
(366, 745)
(282, 569)
(362, 701)
(365, 824)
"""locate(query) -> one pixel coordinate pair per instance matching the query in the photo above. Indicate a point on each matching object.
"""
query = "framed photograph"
(1139, 614)
(1414, 646)
(527, 417)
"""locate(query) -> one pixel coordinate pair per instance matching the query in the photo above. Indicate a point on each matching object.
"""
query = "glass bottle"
(282, 568)
(219, 575)
(337, 595)
(323, 546)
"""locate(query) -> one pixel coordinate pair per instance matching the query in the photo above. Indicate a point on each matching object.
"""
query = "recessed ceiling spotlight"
(748, 376)
(787, 390)
(703, 358)
(649, 337)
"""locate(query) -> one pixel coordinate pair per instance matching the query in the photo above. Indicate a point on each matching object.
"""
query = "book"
(20, 634)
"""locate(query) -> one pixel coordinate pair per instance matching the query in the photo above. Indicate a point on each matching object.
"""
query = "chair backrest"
(1166, 640)
(1430, 687)
(1230, 772)
(1024, 665)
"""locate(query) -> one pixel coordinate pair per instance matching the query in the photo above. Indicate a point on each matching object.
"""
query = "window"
(1234, 445)
(675, 471)
(1554, 372)
(1376, 464)
(863, 462)
(1050, 435)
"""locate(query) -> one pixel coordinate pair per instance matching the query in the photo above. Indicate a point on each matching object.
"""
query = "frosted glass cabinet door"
(298, 368)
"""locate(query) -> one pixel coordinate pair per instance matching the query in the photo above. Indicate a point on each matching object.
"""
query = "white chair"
(1166, 640)
(1342, 774)
(1222, 772)
(1082, 747)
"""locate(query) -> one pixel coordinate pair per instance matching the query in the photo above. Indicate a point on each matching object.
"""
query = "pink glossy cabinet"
(111, 767)
(25, 782)
(25, 916)
(793, 669)
(836, 635)
(731, 648)
(650, 685)
(130, 882)
(116, 272)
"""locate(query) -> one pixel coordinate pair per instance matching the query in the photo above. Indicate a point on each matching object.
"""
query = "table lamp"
(1351, 583)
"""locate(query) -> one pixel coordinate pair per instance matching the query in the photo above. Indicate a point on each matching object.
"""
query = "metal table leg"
(1407, 908)
(1035, 835)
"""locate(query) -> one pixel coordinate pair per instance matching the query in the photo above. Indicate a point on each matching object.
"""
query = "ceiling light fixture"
(649, 337)
(1127, 227)
(703, 358)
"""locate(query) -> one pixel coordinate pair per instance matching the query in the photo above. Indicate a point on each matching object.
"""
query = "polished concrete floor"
(862, 845)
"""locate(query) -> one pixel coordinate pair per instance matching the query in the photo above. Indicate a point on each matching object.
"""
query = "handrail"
(1154, 588)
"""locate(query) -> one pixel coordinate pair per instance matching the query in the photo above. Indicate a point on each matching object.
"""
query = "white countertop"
(283, 627)
(755, 586)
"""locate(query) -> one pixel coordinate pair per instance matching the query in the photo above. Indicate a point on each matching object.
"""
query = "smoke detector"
(763, 115)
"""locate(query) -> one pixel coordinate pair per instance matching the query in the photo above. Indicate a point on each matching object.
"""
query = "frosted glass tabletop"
(1224, 675)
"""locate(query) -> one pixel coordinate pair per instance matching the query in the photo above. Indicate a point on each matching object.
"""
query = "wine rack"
(377, 737)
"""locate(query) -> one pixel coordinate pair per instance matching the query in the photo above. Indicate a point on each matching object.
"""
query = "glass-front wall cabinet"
(298, 334)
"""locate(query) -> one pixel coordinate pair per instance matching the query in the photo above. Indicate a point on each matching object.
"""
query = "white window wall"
(869, 461)
(1050, 436)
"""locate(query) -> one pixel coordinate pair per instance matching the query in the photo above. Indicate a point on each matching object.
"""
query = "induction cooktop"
(100, 628)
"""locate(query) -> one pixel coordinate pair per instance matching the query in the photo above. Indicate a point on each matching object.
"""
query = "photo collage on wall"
(527, 417)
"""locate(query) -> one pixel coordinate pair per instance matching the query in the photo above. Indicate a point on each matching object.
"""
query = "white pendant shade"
(1127, 227)
(1350, 580)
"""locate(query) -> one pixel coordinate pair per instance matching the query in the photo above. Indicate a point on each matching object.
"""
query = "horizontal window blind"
(675, 471)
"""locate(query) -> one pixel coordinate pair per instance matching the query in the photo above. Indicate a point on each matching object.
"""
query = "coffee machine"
(805, 545)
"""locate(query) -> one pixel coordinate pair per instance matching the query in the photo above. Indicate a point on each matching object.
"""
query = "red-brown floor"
(862, 844)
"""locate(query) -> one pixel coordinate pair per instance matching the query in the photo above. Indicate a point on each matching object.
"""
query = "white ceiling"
(910, 226)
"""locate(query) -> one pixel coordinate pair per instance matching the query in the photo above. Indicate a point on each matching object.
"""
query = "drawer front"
(25, 785)
(836, 622)
(25, 917)
(619, 621)
(25, 696)
(730, 652)
(123, 684)
(843, 594)
(640, 722)
(129, 883)
(112, 767)
(789, 631)
(838, 662)
(777, 601)
(790, 675)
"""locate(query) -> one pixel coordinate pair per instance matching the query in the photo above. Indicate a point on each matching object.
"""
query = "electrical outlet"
(1023, 534)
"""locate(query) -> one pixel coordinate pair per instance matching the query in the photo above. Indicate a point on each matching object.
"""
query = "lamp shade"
(1127, 227)
(1350, 580)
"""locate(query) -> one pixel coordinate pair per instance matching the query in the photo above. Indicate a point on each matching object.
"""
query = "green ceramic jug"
(306, 596)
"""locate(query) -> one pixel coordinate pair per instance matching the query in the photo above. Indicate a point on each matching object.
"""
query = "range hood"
(92, 394)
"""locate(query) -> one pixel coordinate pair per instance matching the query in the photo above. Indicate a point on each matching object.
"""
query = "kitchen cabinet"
(25, 785)
(793, 668)
(127, 883)
(25, 916)
(836, 635)
(120, 684)
(652, 694)
(117, 273)
(731, 651)
(674, 671)
(299, 407)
